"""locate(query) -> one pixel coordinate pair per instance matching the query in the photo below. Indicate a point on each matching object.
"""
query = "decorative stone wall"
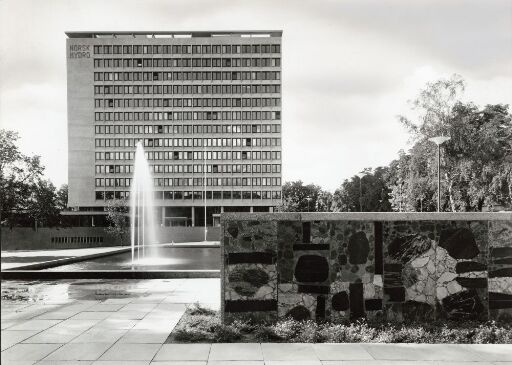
(337, 266)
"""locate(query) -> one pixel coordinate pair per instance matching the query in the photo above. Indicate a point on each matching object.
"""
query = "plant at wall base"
(117, 217)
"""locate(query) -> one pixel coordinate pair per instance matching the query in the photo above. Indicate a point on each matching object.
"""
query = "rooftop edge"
(172, 34)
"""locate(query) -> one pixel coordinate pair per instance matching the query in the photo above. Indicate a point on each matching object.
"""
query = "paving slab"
(196, 351)
(288, 351)
(11, 338)
(491, 352)
(413, 351)
(99, 335)
(35, 324)
(131, 351)
(28, 352)
(235, 351)
(79, 351)
(343, 351)
(145, 336)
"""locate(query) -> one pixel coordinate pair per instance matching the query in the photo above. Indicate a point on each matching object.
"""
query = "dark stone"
(500, 273)
(313, 289)
(379, 258)
(310, 246)
(306, 232)
(299, 313)
(320, 308)
(407, 247)
(247, 238)
(233, 230)
(499, 296)
(247, 281)
(500, 304)
(312, 269)
(340, 301)
(467, 266)
(507, 261)
(464, 304)
(342, 259)
(253, 223)
(393, 268)
(459, 242)
(358, 248)
(373, 304)
(500, 252)
(412, 311)
(250, 305)
(393, 279)
(356, 300)
(472, 282)
(396, 294)
(251, 258)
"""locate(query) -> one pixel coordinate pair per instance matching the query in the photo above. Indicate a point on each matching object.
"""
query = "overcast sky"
(349, 67)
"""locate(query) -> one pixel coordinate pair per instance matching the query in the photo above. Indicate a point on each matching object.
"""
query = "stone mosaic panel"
(462, 270)
(409, 270)
(250, 271)
(343, 269)
(500, 270)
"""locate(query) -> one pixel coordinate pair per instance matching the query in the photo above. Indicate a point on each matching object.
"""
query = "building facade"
(205, 105)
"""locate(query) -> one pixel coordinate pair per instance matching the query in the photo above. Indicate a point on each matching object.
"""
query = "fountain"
(142, 212)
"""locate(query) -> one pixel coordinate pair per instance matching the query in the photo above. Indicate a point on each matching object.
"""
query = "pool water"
(160, 258)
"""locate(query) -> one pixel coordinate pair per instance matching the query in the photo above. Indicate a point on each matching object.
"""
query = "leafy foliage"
(298, 197)
(117, 216)
(200, 324)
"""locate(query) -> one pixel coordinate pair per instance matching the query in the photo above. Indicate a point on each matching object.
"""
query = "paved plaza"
(112, 322)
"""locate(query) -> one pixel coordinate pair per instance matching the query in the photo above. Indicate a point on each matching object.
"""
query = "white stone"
(453, 287)
(420, 262)
(441, 292)
(447, 276)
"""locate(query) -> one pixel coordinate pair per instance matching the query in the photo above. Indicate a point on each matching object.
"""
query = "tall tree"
(41, 205)
(62, 197)
(18, 174)
(475, 162)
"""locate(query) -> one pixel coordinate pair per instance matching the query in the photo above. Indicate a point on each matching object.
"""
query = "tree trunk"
(450, 192)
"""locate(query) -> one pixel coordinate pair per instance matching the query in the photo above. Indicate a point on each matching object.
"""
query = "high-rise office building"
(205, 105)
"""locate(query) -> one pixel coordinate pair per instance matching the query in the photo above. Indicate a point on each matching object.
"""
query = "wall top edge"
(369, 216)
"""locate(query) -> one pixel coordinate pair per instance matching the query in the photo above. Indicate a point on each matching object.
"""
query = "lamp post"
(308, 198)
(439, 140)
(361, 175)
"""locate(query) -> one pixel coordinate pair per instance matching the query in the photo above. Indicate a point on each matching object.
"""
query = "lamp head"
(439, 140)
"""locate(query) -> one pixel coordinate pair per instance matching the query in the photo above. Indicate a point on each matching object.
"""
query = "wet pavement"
(115, 322)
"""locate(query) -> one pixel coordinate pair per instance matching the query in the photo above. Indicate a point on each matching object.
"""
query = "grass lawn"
(204, 325)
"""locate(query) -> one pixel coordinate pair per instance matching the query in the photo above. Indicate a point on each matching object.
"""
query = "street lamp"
(360, 176)
(308, 198)
(439, 140)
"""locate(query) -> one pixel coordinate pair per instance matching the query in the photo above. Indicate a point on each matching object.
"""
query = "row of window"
(85, 239)
(196, 155)
(187, 49)
(185, 62)
(188, 76)
(187, 129)
(187, 89)
(120, 182)
(186, 116)
(195, 195)
(188, 142)
(199, 168)
(188, 103)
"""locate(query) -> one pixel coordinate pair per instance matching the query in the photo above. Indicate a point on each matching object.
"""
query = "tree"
(62, 197)
(41, 205)
(475, 162)
(117, 216)
(372, 193)
(18, 174)
(296, 194)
